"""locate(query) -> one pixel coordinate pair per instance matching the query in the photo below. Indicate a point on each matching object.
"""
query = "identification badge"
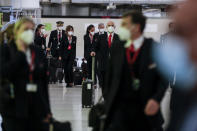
(31, 88)
(69, 47)
(136, 84)
(89, 86)
(43, 47)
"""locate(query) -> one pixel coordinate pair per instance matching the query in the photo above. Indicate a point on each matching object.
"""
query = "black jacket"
(118, 87)
(40, 41)
(15, 68)
(64, 52)
(88, 46)
(102, 49)
(53, 42)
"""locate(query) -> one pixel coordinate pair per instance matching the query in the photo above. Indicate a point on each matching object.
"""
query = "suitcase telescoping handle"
(93, 68)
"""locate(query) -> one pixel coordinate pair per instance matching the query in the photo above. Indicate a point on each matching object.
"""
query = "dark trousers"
(21, 124)
(101, 75)
(60, 74)
(53, 77)
(68, 69)
(89, 66)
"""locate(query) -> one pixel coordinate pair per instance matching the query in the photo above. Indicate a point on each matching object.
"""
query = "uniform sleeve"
(75, 48)
(85, 46)
(50, 40)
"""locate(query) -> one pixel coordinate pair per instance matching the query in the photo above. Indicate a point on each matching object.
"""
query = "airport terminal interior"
(98, 65)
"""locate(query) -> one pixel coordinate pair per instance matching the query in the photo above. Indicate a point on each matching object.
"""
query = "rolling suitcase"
(78, 76)
(88, 90)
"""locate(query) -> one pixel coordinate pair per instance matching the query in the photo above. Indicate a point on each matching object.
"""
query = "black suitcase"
(87, 94)
(52, 62)
(57, 126)
(88, 90)
(78, 76)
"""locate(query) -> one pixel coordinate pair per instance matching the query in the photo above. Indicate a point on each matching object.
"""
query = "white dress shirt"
(137, 43)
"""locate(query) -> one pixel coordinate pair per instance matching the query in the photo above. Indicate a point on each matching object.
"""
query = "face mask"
(27, 36)
(60, 28)
(70, 33)
(101, 30)
(92, 33)
(43, 31)
(124, 34)
(110, 29)
(173, 57)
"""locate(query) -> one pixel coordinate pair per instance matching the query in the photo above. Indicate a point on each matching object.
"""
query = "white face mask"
(92, 33)
(102, 30)
(27, 37)
(173, 56)
(110, 29)
(43, 31)
(124, 34)
(60, 28)
(70, 33)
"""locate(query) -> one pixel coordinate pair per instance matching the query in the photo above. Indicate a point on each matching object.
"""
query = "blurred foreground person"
(68, 54)
(24, 92)
(6, 40)
(90, 41)
(40, 38)
(183, 58)
(133, 87)
(103, 48)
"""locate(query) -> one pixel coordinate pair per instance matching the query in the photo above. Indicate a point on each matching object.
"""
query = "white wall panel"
(158, 27)
(25, 4)
(125, 1)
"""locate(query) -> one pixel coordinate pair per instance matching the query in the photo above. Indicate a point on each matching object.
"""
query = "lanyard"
(132, 60)
(31, 66)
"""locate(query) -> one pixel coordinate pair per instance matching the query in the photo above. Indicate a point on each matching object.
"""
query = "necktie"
(109, 40)
(59, 36)
(130, 53)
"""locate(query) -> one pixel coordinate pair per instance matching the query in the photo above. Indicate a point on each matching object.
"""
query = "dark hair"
(8, 34)
(69, 27)
(89, 28)
(37, 28)
(136, 18)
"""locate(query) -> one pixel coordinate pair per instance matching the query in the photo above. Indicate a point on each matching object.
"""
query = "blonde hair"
(20, 22)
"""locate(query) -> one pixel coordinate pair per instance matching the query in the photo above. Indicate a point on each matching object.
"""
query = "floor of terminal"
(66, 106)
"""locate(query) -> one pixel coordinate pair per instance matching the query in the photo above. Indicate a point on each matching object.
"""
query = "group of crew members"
(132, 86)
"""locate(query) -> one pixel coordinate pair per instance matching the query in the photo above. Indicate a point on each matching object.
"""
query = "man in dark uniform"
(103, 46)
(55, 39)
(54, 46)
(101, 28)
(133, 88)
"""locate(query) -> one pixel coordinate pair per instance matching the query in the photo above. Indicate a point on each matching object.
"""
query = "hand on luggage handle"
(93, 66)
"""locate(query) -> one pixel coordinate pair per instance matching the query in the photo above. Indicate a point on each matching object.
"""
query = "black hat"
(60, 22)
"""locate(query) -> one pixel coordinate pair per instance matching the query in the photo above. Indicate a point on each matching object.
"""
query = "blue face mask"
(172, 57)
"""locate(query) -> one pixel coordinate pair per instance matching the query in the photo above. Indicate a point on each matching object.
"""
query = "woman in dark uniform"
(40, 38)
(89, 46)
(23, 82)
(68, 54)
